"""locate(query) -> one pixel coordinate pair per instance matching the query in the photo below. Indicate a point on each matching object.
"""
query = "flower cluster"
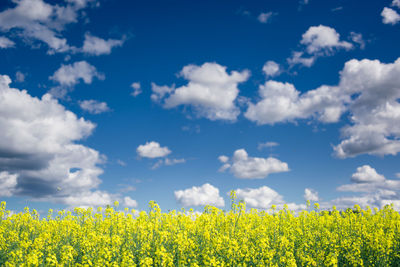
(109, 237)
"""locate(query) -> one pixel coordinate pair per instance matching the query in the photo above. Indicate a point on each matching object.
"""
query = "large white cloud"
(318, 41)
(281, 102)
(390, 16)
(211, 91)
(152, 150)
(39, 154)
(199, 196)
(97, 46)
(368, 92)
(243, 166)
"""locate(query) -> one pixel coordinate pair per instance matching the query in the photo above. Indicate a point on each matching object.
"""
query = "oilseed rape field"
(239, 237)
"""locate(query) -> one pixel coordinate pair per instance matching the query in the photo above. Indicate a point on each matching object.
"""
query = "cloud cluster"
(41, 22)
(318, 41)
(368, 91)
(137, 90)
(375, 189)
(39, 154)
(199, 196)
(246, 167)
(211, 91)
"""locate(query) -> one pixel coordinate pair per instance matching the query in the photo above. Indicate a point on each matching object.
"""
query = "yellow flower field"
(215, 238)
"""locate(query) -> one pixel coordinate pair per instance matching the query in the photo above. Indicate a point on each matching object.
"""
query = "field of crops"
(215, 238)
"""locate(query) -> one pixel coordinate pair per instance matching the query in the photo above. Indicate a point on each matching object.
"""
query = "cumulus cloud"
(152, 150)
(390, 16)
(310, 194)
(94, 106)
(281, 102)
(67, 76)
(368, 91)
(40, 21)
(271, 68)
(366, 174)
(96, 46)
(243, 166)
(6, 43)
(318, 41)
(264, 197)
(211, 91)
(40, 156)
(373, 190)
(199, 196)
(137, 90)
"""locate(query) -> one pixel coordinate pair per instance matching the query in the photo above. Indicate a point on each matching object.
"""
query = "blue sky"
(182, 101)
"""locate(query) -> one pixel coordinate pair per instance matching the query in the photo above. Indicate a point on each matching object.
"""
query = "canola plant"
(84, 237)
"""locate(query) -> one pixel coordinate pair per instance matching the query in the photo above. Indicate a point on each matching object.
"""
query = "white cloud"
(323, 39)
(366, 174)
(40, 155)
(152, 150)
(281, 102)
(398, 175)
(375, 189)
(167, 162)
(260, 198)
(39, 21)
(265, 17)
(94, 106)
(375, 110)
(19, 76)
(211, 91)
(396, 3)
(199, 196)
(160, 91)
(223, 159)
(121, 162)
(129, 202)
(8, 182)
(96, 46)
(390, 16)
(318, 41)
(69, 75)
(310, 194)
(267, 145)
(264, 197)
(271, 68)
(6, 43)
(246, 167)
(368, 91)
(137, 90)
